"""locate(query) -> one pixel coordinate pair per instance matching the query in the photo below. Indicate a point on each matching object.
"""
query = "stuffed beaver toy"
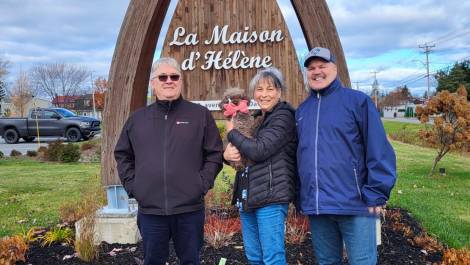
(234, 106)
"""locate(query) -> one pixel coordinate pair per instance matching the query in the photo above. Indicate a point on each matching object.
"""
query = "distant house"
(67, 102)
(9, 109)
(84, 106)
(405, 110)
(81, 105)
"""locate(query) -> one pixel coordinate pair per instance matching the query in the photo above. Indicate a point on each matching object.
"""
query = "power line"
(449, 36)
(454, 37)
(411, 76)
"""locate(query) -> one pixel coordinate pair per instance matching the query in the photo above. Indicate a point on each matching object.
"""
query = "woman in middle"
(264, 188)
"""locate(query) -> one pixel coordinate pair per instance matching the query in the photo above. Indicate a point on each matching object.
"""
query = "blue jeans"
(263, 234)
(357, 232)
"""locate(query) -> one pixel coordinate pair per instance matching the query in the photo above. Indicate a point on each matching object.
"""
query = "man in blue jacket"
(347, 167)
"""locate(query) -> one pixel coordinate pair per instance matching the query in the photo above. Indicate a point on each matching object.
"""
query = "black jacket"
(168, 156)
(273, 177)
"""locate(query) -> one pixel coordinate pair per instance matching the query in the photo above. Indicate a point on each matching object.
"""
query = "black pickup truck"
(49, 122)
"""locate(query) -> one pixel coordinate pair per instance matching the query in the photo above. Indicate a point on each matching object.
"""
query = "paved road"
(407, 120)
(23, 147)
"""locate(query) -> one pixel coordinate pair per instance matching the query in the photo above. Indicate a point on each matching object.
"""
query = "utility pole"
(427, 49)
(375, 88)
(93, 95)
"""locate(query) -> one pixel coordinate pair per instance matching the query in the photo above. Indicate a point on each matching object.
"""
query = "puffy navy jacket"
(344, 159)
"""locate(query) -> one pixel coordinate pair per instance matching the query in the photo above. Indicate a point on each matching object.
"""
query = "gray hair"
(165, 61)
(271, 74)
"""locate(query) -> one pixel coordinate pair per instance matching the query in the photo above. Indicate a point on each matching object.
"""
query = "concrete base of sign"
(114, 228)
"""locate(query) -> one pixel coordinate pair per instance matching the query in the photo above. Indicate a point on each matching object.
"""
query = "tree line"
(49, 81)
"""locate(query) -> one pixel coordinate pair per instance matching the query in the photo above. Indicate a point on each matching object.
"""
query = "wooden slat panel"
(319, 30)
(258, 15)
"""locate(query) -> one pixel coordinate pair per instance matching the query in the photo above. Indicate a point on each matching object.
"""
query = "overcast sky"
(377, 35)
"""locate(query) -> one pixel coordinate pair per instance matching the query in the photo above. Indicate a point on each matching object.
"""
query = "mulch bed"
(396, 248)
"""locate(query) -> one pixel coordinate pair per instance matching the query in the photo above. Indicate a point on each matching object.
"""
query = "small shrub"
(98, 151)
(91, 199)
(54, 151)
(70, 153)
(57, 235)
(69, 212)
(456, 257)
(42, 149)
(33, 234)
(87, 146)
(31, 153)
(86, 249)
(218, 231)
(42, 152)
(15, 152)
(2, 155)
(221, 198)
(297, 227)
(12, 249)
(222, 129)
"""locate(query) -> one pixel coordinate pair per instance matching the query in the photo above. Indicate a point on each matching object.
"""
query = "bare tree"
(59, 79)
(21, 93)
(4, 64)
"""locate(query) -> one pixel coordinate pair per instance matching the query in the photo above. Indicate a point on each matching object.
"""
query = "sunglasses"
(164, 78)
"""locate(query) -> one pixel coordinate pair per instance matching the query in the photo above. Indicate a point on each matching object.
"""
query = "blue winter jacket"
(344, 158)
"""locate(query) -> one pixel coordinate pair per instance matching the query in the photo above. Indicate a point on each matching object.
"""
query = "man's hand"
(377, 210)
(231, 153)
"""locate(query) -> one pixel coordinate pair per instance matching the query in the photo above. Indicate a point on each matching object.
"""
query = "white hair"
(164, 61)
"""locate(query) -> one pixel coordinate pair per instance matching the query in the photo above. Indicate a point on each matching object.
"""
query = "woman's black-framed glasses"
(164, 78)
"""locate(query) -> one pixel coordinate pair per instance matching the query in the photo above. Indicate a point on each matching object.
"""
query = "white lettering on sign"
(233, 61)
(220, 35)
(190, 39)
(213, 105)
(188, 64)
(221, 60)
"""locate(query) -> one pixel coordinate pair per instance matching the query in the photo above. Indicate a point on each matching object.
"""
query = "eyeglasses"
(164, 78)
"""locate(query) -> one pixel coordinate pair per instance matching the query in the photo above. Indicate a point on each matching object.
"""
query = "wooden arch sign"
(207, 74)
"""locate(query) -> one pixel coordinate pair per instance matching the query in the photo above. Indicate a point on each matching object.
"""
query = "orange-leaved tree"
(451, 127)
(101, 87)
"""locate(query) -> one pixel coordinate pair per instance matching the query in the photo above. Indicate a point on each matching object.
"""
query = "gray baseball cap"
(320, 52)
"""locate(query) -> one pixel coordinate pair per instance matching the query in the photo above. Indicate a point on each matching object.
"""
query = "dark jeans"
(186, 230)
(357, 232)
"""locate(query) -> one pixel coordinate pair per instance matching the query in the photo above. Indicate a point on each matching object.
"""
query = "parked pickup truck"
(49, 122)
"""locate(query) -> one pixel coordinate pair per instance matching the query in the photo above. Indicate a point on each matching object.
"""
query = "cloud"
(368, 27)
(48, 31)
(376, 34)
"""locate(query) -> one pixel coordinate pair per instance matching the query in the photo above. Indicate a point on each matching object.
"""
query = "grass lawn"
(396, 127)
(441, 204)
(31, 191)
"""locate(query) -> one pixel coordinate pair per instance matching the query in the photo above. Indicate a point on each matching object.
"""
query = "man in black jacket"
(168, 156)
